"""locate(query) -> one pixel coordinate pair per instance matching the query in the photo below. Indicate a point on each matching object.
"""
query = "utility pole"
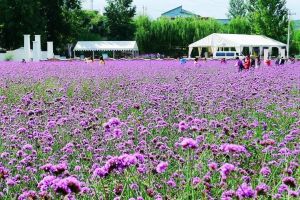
(92, 4)
(289, 27)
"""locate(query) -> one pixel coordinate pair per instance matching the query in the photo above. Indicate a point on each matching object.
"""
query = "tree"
(296, 43)
(142, 32)
(172, 37)
(269, 17)
(59, 20)
(237, 8)
(51, 19)
(239, 25)
(120, 15)
(90, 26)
(18, 17)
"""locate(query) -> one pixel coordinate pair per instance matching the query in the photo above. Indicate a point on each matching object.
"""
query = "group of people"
(91, 60)
(248, 63)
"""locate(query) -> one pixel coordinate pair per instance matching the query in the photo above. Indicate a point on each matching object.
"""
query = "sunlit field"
(149, 130)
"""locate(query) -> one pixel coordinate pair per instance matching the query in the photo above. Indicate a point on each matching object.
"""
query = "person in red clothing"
(247, 63)
(268, 62)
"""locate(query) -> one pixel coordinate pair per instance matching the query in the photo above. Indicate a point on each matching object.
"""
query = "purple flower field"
(138, 130)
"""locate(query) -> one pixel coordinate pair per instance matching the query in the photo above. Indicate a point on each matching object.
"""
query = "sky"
(206, 8)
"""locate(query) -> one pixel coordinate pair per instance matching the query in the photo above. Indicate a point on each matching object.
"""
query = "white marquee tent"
(237, 41)
(130, 46)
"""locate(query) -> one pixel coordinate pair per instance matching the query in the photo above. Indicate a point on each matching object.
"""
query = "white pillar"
(50, 53)
(266, 54)
(36, 51)
(27, 47)
(270, 51)
(282, 53)
(260, 51)
(251, 50)
(37, 38)
(199, 51)
(190, 51)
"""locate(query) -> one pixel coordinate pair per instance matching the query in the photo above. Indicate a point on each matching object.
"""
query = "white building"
(28, 54)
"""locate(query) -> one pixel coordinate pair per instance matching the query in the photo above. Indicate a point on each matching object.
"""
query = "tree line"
(64, 23)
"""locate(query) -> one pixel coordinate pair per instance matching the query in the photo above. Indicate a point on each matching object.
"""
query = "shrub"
(8, 57)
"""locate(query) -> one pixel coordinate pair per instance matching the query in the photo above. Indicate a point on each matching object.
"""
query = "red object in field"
(268, 63)
(247, 63)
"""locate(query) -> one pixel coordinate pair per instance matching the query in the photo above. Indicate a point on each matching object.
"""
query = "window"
(219, 54)
(230, 54)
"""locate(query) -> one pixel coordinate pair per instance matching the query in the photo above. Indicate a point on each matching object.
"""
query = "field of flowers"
(148, 130)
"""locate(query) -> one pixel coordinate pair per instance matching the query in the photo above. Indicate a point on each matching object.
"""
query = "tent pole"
(93, 55)
(74, 54)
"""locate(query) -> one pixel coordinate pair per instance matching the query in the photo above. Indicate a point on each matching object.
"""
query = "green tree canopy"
(119, 14)
(172, 37)
(19, 17)
(237, 8)
(51, 19)
(269, 17)
(296, 42)
(239, 25)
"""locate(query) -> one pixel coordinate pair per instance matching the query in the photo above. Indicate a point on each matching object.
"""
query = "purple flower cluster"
(245, 192)
(226, 169)
(233, 148)
(62, 186)
(119, 163)
(189, 143)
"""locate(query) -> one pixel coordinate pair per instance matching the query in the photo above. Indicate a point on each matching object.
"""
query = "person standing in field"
(239, 64)
(223, 61)
(268, 62)
(196, 62)
(102, 62)
(282, 61)
(257, 62)
(247, 63)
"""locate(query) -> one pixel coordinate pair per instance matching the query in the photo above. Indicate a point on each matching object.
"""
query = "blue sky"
(205, 8)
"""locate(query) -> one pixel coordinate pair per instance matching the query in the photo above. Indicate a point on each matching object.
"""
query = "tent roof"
(106, 46)
(236, 40)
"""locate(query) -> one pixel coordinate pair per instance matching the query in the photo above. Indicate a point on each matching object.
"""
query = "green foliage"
(8, 57)
(239, 25)
(172, 36)
(296, 42)
(59, 21)
(19, 17)
(269, 17)
(88, 25)
(237, 8)
(119, 14)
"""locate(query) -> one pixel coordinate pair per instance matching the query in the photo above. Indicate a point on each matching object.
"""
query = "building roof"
(106, 46)
(236, 40)
(178, 12)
